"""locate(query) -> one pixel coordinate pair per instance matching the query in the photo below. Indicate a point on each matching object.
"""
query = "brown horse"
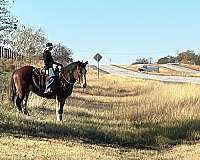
(26, 79)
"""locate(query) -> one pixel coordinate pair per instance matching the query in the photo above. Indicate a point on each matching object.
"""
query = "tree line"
(187, 57)
(26, 40)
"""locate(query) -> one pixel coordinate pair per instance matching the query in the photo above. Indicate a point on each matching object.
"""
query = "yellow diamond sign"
(97, 57)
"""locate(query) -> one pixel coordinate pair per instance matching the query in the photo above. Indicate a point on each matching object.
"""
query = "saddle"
(42, 77)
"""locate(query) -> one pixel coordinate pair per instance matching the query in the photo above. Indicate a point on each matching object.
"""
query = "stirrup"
(48, 91)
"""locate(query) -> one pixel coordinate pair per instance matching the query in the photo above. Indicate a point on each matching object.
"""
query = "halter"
(65, 79)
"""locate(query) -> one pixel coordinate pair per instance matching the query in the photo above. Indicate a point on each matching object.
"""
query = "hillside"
(115, 118)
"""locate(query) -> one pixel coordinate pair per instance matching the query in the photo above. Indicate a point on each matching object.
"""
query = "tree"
(7, 22)
(62, 54)
(28, 41)
(141, 61)
(188, 56)
(163, 60)
(197, 60)
(168, 59)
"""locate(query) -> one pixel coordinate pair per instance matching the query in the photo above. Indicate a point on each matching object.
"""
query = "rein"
(67, 80)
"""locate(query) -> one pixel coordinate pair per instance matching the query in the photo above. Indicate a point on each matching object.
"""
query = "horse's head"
(75, 71)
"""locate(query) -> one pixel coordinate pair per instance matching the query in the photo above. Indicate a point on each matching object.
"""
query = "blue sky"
(120, 30)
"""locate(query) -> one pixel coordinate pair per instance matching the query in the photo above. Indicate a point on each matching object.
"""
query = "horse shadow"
(145, 136)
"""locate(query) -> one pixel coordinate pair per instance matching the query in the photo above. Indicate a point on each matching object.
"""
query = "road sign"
(98, 57)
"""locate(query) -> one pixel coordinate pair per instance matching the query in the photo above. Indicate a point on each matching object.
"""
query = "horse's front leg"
(59, 109)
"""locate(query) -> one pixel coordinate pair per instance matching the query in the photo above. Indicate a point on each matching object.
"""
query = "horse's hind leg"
(18, 103)
(24, 105)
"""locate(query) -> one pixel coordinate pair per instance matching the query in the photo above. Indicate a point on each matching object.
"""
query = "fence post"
(4, 53)
(0, 52)
(9, 55)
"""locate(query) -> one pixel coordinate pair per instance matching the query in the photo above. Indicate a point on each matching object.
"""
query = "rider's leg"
(51, 80)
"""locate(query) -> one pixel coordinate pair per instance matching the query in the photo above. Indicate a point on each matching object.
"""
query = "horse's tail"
(12, 90)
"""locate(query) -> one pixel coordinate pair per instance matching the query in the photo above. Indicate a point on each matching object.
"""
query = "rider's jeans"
(51, 79)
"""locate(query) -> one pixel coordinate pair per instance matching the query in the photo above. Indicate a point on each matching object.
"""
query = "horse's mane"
(71, 65)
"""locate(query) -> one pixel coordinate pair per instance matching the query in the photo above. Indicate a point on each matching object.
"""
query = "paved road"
(123, 72)
(180, 69)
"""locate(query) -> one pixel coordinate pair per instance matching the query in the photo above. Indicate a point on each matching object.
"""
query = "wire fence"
(9, 54)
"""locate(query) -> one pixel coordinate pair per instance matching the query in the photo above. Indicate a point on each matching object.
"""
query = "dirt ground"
(27, 148)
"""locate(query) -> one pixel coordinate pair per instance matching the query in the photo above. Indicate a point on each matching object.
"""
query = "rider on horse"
(48, 62)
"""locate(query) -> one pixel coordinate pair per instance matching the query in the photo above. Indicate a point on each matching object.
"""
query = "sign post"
(98, 57)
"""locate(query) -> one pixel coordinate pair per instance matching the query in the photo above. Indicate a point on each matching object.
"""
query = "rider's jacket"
(48, 60)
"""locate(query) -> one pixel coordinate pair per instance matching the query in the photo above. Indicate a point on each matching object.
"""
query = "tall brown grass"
(115, 111)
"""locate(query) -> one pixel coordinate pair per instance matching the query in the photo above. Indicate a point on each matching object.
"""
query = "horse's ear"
(85, 64)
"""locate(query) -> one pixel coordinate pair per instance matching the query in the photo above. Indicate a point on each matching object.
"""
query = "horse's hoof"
(19, 111)
(59, 118)
(26, 112)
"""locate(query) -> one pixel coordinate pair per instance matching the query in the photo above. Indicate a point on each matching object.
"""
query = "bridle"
(66, 80)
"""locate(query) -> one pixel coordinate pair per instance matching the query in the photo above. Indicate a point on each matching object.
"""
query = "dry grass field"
(195, 67)
(114, 118)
